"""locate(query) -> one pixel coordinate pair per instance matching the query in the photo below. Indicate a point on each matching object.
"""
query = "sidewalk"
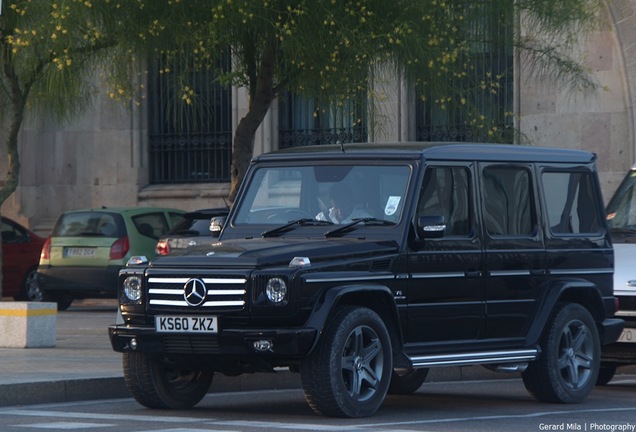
(83, 366)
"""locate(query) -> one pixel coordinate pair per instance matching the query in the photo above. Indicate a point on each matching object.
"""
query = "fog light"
(133, 344)
(132, 287)
(276, 290)
(263, 345)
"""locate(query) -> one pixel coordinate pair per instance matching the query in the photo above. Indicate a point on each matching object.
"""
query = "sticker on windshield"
(392, 205)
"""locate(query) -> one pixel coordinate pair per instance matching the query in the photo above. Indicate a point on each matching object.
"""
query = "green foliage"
(55, 54)
(49, 52)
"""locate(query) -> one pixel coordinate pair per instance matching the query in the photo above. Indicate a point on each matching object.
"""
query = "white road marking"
(64, 425)
(97, 416)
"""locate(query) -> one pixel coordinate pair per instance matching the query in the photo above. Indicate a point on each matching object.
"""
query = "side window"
(152, 225)
(12, 234)
(508, 201)
(446, 192)
(571, 202)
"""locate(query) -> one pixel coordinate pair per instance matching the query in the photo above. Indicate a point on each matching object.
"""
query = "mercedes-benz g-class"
(362, 266)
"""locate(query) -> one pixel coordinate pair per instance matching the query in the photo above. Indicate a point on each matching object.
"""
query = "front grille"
(221, 293)
(184, 344)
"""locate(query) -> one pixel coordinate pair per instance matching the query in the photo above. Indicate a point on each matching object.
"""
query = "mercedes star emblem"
(194, 292)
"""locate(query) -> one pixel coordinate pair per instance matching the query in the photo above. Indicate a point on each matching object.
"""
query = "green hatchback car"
(86, 249)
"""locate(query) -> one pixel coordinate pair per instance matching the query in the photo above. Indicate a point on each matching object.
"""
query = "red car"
(21, 250)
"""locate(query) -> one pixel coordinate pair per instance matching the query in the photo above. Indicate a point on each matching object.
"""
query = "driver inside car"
(342, 210)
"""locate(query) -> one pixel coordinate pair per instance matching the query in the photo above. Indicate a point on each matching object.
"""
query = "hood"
(260, 252)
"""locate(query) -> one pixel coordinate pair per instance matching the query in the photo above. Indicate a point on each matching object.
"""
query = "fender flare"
(334, 296)
(558, 290)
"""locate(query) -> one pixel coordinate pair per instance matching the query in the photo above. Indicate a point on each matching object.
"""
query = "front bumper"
(289, 343)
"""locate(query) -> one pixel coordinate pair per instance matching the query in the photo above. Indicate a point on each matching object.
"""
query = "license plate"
(186, 324)
(628, 336)
(79, 252)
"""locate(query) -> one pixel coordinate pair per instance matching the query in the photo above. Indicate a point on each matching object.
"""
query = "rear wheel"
(30, 287)
(407, 381)
(155, 384)
(348, 374)
(569, 364)
(63, 303)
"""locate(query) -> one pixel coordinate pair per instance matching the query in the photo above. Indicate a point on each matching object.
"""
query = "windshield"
(334, 194)
(621, 210)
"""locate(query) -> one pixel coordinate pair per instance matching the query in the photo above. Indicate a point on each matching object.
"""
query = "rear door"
(515, 251)
(577, 242)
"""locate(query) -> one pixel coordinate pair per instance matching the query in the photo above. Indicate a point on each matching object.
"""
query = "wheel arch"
(377, 298)
(582, 292)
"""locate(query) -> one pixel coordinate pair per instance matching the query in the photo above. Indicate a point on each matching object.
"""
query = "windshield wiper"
(351, 225)
(298, 222)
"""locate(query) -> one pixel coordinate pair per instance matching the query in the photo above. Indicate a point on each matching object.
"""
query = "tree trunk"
(18, 106)
(260, 101)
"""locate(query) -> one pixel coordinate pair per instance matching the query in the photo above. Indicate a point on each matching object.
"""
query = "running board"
(478, 358)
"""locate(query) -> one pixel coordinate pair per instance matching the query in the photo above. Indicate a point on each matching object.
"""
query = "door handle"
(473, 274)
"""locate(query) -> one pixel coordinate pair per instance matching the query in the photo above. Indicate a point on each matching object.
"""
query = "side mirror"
(216, 225)
(430, 227)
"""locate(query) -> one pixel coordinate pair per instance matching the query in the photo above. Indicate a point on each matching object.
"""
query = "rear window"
(89, 224)
(152, 225)
(192, 227)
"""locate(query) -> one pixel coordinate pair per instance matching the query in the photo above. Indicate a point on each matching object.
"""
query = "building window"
(302, 122)
(487, 89)
(189, 143)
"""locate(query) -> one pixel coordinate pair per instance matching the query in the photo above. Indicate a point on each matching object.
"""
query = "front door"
(445, 293)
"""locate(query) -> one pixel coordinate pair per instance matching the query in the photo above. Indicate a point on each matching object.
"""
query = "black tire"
(155, 385)
(63, 302)
(568, 366)
(349, 372)
(30, 290)
(407, 381)
(605, 374)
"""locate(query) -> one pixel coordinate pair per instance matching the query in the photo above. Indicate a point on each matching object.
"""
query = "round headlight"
(132, 287)
(276, 290)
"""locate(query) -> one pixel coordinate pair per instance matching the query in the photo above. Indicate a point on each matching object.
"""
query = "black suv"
(362, 266)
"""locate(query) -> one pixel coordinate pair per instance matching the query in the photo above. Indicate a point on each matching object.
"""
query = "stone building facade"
(102, 159)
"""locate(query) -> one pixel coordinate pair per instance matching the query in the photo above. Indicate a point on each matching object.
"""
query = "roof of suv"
(439, 150)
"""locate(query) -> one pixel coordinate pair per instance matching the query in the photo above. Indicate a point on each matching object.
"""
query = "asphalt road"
(475, 406)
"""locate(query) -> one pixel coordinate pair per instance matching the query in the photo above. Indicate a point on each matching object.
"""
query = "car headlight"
(276, 290)
(132, 287)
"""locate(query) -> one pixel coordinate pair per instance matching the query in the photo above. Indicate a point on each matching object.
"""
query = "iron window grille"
(488, 89)
(188, 142)
(303, 122)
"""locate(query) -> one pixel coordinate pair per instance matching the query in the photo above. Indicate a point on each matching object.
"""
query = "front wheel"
(348, 374)
(569, 364)
(155, 384)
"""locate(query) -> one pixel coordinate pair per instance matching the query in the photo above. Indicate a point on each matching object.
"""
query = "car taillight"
(163, 248)
(46, 250)
(119, 249)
